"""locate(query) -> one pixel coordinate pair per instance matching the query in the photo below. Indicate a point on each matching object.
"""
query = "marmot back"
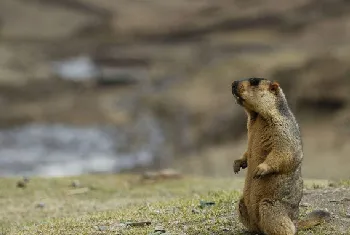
(273, 185)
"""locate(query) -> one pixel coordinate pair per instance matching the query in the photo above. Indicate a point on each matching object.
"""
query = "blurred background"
(96, 86)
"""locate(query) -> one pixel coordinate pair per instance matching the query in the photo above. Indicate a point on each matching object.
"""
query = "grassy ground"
(105, 204)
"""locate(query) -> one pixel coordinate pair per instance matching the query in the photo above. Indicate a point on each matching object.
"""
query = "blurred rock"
(40, 205)
(76, 69)
(159, 229)
(180, 58)
(102, 228)
(138, 223)
(121, 71)
(321, 84)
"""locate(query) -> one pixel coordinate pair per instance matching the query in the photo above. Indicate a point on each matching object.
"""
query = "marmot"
(273, 184)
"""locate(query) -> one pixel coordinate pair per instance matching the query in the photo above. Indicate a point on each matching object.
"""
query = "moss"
(345, 183)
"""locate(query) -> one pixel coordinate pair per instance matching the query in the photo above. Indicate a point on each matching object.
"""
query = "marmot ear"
(274, 86)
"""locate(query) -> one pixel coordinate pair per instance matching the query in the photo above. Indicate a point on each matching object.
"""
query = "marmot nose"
(234, 86)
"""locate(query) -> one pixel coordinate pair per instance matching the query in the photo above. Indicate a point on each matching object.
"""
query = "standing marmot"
(273, 185)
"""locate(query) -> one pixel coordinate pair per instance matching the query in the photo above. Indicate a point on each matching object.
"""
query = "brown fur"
(273, 185)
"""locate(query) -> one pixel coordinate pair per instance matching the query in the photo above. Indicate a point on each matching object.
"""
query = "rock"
(40, 205)
(305, 204)
(117, 226)
(159, 229)
(345, 199)
(204, 204)
(102, 228)
(158, 233)
(138, 224)
(80, 69)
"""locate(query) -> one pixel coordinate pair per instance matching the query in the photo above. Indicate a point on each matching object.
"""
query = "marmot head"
(259, 95)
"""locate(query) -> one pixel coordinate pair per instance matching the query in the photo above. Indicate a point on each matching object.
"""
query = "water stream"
(59, 150)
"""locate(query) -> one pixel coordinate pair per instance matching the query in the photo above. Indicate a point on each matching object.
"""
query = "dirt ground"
(336, 201)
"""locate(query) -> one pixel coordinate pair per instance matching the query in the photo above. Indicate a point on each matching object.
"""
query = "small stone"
(40, 205)
(159, 233)
(305, 204)
(347, 215)
(159, 229)
(138, 224)
(117, 226)
(205, 204)
(113, 227)
(101, 228)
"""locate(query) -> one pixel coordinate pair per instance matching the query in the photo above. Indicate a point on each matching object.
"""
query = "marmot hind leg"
(274, 219)
(244, 217)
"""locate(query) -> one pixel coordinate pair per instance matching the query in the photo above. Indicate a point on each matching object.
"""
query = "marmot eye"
(255, 81)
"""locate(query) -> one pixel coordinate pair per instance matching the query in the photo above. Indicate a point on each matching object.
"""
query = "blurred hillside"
(170, 64)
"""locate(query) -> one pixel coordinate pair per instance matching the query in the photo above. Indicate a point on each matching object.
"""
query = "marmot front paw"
(238, 164)
(261, 170)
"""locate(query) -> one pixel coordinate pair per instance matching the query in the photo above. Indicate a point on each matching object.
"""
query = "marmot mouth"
(239, 99)
(235, 93)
